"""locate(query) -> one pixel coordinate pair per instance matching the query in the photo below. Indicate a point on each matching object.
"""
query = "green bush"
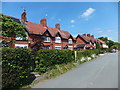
(47, 59)
(16, 66)
(86, 53)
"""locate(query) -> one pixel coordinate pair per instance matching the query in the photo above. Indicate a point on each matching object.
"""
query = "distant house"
(102, 43)
(85, 42)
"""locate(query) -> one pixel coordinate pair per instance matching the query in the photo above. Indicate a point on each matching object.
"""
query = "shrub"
(47, 59)
(86, 53)
(16, 66)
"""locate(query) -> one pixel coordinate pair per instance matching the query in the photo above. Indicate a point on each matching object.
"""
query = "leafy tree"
(110, 43)
(11, 29)
(103, 38)
(98, 46)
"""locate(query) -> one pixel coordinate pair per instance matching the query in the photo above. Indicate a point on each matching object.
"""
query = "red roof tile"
(89, 45)
(102, 41)
(35, 28)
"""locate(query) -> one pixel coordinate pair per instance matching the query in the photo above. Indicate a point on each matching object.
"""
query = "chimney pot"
(43, 22)
(23, 16)
(92, 36)
(84, 34)
(88, 35)
(57, 26)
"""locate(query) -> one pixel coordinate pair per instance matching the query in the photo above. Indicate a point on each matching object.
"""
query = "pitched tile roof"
(101, 41)
(35, 28)
(87, 39)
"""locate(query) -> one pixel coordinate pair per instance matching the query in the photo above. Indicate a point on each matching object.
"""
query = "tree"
(103, 38)
(111, 44)
(108, 42)
(11, 29)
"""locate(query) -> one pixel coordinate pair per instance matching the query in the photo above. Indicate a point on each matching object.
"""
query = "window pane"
(46, 39)
(57, 39)
(70, 41)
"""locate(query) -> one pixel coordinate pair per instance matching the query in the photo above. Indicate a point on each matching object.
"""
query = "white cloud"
(72, 26)
(109, 31)
(100, 31)
(104, 35)
(46, 14)
(72, 21)
(88, 12)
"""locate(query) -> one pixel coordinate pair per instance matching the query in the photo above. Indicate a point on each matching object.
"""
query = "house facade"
(85, 41)
(41, 36)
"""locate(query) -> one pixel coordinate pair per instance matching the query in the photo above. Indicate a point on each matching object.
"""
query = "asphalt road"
(99, 73)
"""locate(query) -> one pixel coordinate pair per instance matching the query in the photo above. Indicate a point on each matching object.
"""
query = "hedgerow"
(86, 53)
(16, 66)
(47, 59)
(17, 63)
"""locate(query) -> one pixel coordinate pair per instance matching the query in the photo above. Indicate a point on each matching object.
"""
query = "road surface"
(99, 73)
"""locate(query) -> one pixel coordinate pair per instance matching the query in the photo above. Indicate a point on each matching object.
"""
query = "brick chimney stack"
(43, 22)
(88, 35)
(84, 34)
(57, 26)
(23, 16)
(92, 36)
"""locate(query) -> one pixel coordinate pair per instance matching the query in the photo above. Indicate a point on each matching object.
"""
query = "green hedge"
(86, 53)
(16, 65)
(47, 59)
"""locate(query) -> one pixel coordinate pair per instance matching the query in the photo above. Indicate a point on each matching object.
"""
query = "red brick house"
(85, 42)
(88, 42)
(41, 36)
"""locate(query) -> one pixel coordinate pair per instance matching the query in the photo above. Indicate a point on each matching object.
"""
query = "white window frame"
(46, 38)
(70, 41)
(70, 47)
(19, 38)
(56, 47)
(21, 45)
(57, 40)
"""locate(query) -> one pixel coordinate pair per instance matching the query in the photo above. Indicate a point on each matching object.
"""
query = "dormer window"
(46, 39)
(70, 41)
(57, 39)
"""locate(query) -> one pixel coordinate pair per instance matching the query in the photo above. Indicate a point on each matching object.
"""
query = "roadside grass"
(58, 70)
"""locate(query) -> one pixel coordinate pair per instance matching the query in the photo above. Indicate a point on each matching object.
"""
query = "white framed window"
(21, 38)
(58, 47)
(21, 45)
(70, 41)
(70, 47)
(57, 39)
(46, 39)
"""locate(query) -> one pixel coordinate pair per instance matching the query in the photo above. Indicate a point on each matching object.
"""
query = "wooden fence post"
(75, 55)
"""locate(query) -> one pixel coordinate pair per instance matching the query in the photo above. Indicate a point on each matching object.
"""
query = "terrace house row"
(41, 36)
